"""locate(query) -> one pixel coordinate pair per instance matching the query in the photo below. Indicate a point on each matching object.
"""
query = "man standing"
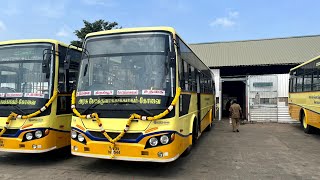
(235, 114)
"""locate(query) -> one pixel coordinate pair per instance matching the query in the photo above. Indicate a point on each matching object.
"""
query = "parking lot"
(259, 151)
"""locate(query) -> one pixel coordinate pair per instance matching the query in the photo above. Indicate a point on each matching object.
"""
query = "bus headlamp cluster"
(78, 137)
(33, 135)
(160, 140)
(153, 142)
(29, 136)
(38, 134)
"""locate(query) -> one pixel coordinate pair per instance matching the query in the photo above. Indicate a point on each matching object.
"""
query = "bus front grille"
(10, 131)
(127, 136)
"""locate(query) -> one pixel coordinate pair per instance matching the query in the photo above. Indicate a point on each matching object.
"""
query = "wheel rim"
(304, 122)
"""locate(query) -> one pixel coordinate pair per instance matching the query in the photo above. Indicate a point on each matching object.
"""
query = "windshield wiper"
(90, 107)
(143, 109)
(16, 107)
(117, 97)
(13, 105)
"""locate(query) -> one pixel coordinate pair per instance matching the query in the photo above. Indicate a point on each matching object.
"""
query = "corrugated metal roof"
(291, 50)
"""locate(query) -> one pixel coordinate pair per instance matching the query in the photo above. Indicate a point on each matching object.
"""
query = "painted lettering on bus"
(135, 100)
(18, 102)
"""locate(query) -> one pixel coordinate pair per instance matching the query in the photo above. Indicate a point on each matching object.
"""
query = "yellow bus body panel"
(135, 151)
(310, 103)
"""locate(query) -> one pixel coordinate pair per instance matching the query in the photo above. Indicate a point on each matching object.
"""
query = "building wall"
(275, 111)
(268, 98)
(217, 80)
(283, 88)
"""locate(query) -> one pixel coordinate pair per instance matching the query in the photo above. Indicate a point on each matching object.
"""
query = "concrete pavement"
(259, 151)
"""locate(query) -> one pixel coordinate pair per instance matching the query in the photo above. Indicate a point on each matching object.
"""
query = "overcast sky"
(196, 21)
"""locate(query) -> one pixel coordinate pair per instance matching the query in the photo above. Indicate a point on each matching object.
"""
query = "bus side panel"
(308, 101)
(207, 102)
(188, 118)
(313, 118)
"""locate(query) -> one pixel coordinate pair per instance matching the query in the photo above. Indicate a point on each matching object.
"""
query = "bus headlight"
(164, 139)
(73, 134)
(38, 134)
(153, 141)
(29, 136)
(80, 138)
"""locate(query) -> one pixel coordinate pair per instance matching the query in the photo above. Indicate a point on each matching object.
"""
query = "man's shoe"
(237, 130)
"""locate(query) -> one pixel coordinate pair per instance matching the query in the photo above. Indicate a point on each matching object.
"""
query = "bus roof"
(307, 62)
(22, 41)
(124, 30)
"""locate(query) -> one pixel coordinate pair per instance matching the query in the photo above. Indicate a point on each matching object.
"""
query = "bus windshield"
(21, 72)
(126, 64)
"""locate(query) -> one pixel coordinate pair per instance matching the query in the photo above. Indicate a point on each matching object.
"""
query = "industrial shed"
(255, 72)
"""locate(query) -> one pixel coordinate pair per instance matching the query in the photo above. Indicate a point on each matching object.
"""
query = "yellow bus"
(142, 95)
(304, 94)
(36, 81)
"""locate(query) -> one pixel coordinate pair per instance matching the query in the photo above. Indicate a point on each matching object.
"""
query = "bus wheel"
(195, 131)
(306, 128)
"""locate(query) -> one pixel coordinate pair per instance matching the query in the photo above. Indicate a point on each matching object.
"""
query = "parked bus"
(36, 81)
(304, 94)
(142, 95)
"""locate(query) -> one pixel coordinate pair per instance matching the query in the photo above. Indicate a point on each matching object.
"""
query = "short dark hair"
(234, 101)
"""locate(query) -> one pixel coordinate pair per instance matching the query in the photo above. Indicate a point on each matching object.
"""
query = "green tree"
(99, 25)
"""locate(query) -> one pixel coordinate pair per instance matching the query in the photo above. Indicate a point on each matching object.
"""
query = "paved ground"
(259, 151)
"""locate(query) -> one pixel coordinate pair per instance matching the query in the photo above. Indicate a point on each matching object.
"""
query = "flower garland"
(15, 115)
(132, 116)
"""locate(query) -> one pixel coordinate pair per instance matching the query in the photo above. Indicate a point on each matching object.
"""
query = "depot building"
(256, 73)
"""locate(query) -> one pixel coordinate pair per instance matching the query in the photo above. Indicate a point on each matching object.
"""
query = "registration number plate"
(115, 149)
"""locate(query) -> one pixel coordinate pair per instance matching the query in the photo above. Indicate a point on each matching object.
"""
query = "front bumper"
(131, 151)
(41, 145)
(124, 158)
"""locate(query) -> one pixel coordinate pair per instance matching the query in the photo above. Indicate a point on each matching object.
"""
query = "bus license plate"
(115, 149)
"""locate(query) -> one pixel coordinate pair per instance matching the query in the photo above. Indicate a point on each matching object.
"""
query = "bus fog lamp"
(29, 136)
(153, 141)
(73, 134)
(75, 148)
(34, 146)
(38, 134)
(160, 154)
(80, 138)
(164, 139)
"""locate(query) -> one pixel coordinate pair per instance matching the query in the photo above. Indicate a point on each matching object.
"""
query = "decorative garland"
(132, 116)
(17, 116)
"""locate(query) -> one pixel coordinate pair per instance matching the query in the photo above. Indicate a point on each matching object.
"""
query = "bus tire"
(195, 131)
(306, 127)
